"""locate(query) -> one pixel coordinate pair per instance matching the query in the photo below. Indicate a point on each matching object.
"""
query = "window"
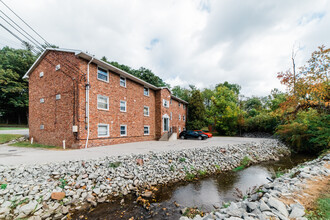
(179, 129)
(102, 102)
(183, 118)
(184, 129)
(41, 74)
(179, 117)
(102, 74)
(171, 101)
(103, 130)
(123, 106)
(146, 91)
(42, 127)
(58, 97)
(123, 130)
(122, 81)
(179, 104)
(57, 67)
(42, 100)
(171, 116)
(146, 130)
(184, 106)
(146, 111)
(165, 103)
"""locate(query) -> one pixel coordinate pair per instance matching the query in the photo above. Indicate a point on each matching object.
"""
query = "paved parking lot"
(18, 155)
(18, 131)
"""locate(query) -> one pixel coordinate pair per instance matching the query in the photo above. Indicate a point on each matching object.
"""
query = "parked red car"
(209, 135)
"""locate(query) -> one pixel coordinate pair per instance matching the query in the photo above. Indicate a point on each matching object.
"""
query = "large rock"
(297, 212)
(58, 195)
(278, 205)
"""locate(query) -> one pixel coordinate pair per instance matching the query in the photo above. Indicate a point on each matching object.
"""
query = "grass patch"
(4, 138)
(244, 162)
(321, 209)
(182, 159)
(114, 164)
(190, 176)
(13, 128)
(28, 144)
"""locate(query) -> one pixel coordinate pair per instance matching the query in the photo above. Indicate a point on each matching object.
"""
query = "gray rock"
(297, 212)
(278, 205)
(263, 206)
(28, 208)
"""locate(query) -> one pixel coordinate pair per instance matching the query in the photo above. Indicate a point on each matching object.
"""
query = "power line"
(22, 34)
(48, 44)
(20, 28)
(17, 37)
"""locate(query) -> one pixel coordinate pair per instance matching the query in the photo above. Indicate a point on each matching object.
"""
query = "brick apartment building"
(71, 93)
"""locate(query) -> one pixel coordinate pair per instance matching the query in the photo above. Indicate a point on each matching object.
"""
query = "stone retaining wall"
(51, 191)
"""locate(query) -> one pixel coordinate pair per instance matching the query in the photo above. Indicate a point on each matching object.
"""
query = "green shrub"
(263, 122)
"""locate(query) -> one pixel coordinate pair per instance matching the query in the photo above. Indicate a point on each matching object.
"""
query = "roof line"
(84, 55)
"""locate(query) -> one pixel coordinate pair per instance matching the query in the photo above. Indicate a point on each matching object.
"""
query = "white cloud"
(186, 42)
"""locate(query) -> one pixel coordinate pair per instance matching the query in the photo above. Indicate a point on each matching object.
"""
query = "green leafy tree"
(14, 90)
(196, 111)
(225, 110)
(182, 93)
(234, 87)
(142, 73)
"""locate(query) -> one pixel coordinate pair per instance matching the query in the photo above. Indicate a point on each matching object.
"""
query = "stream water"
(204, 194)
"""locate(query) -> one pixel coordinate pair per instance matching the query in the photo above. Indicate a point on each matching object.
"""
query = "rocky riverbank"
(52, 191)
(282, 199)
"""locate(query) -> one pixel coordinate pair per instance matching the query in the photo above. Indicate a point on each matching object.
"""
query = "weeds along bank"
(285, 198)
(56, 189)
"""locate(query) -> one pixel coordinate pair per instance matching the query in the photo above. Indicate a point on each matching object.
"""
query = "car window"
(199, 132)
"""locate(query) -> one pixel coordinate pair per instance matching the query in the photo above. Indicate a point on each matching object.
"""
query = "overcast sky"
(186, 41)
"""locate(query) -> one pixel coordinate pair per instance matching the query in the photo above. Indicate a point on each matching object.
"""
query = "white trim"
(148, 91)
(146, 126)
(166, 101)
(125, 106)
(97, 102)
(42, 100)
(41, 74)
(108, 132)
(42, 127)
(148, 110)
(122, 135)
(97, 74)
(179, 117)
(120, 77)
(57, 96)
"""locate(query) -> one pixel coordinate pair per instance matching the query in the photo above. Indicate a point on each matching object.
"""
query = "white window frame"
(42, 127)
(146, 126)
(144, 89)
(179, 129)
(98, 74)
(146, 107)
(58, 96)
(171, 116)
(179, 104)
(120, 81)
(183, 118)
(168, 104)
(122, 135)
(179, 117)
(108, 132)
(171, 101)
(125, 106)
(97, 102)
(41, 74)
(184, 106)
(42, 100)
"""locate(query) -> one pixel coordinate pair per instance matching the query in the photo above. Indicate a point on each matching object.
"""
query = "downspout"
(87, 102)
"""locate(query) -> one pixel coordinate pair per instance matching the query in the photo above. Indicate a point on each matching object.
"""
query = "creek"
(204, 193)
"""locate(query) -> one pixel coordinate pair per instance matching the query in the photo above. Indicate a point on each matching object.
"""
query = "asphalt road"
(18, 155)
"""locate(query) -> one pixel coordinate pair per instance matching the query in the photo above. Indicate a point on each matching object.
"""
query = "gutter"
(87, 102)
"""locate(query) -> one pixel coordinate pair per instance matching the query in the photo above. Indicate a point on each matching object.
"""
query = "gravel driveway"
(18, 155)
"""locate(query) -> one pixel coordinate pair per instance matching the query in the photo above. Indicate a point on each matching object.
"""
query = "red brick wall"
(133, 118)
(55, 115)
(58, 116)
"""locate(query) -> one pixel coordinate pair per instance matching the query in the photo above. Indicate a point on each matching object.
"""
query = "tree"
(183, 93)
(234, 87)
(225, 110)
(14, 90)
(142, 73)
(196, 111)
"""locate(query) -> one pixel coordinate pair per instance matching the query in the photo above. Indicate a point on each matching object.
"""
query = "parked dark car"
(192, 135)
